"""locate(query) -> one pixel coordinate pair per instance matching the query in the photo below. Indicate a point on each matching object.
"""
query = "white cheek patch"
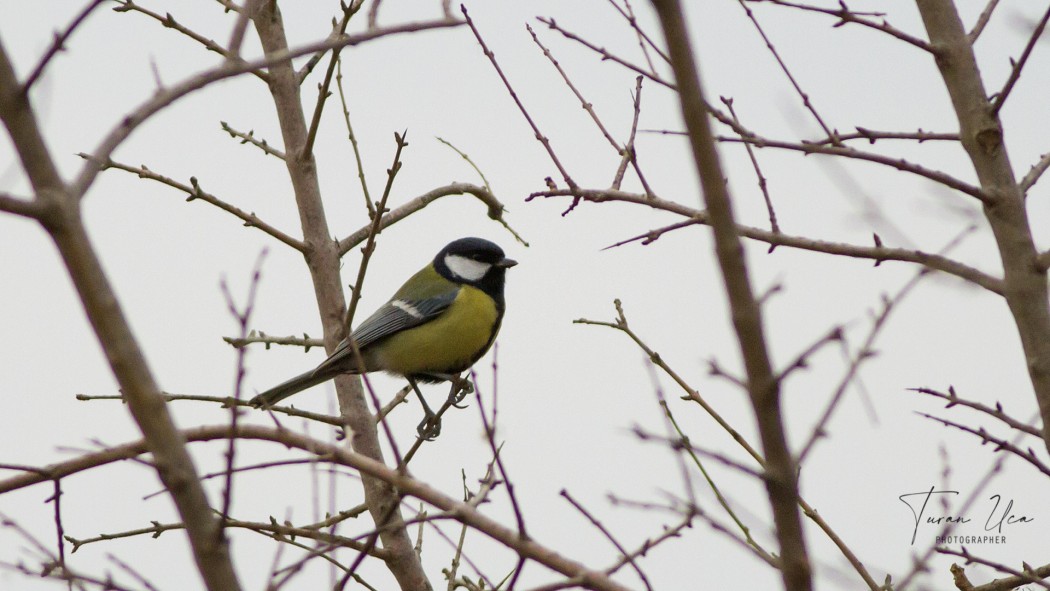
(407, 308)
(465, 268)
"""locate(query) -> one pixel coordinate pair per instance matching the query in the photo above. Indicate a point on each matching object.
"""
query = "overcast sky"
(569, 395)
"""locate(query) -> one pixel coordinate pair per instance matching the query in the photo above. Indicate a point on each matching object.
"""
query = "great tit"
(442, 320)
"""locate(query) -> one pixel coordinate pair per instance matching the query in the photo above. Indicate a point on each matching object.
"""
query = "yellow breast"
(448, 344)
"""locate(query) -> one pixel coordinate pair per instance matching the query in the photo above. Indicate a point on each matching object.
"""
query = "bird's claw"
(430, 427)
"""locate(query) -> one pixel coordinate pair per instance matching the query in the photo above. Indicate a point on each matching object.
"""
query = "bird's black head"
(477, 262)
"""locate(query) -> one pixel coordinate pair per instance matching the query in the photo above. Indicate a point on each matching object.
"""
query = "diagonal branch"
(194, 191)
(24, 207)
(544, 140)
(847, 16)
(1015, 73)
(461, 511)
(228, 69)
(59, 44)
(495, 211)
(697, 217)
(780, 469)
(169, 22)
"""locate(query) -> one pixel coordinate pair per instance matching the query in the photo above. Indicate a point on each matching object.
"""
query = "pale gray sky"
(569, 395)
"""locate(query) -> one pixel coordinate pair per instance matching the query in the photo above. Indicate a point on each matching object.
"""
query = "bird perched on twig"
(442, 320)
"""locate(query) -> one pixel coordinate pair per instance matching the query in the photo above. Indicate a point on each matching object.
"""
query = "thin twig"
(229, 69)
(1036, 171)
(996, 413)
(59, 44)
(322, 91)
(697, 217)
(353, 141)
(849, 152)
(645, 42)
(375, 227)
(169, 22)
(227, 401)
(806, 102)
(587, 105)
(608, 535)
(495, 211)
(521, 107)
(305, 341)
(243, 318)
(1000, 443)
(1015, 73)
(871, 136)
(249, 138)
(847, 16)
(762, 184)
(982, 21)
(1019, 578)
(605, 54)
(194, 191)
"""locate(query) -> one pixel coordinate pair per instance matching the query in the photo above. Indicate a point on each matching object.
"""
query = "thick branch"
(461, 511)
(1024, 281)
(763, 388)
(63, 222)
(322, 259)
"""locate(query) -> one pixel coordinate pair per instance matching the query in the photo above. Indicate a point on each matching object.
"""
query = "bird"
(437, 325)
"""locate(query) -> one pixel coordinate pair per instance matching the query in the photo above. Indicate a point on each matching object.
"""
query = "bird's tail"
(292, 386)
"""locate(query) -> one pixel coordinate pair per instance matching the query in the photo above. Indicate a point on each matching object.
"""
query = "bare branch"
(323, 90)
(521, 107)
(227, 401)
(1020, 578)
(762, 184)
(996, 413)
(228, 69)
(587, 105)
(407, 485)
(1025, 286)
(645, 42)
(194, 191)
(697, 217)
(260, 337)
(24, 207)
(608, 535)
(249, 138)
(1015, 73)
(604, 53)
(1000, 443)
(847, 16)
(495, 211)
(1035, 173)
(982, 21)
(169, 22)
(872, 136)
(59, 44)
(64, 223)
(806, 102)
(847, 152)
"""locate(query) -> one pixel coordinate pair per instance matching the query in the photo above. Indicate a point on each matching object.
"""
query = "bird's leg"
(461, 386)
(430, 426)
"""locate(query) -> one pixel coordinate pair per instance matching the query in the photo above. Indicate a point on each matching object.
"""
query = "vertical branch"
(322, 259)
(59, 214)
(981, 133)
(763, 388)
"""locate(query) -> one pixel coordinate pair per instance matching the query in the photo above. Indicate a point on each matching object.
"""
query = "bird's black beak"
(506, 263)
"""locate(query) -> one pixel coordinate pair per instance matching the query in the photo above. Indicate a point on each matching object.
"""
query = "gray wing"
(392, 317)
